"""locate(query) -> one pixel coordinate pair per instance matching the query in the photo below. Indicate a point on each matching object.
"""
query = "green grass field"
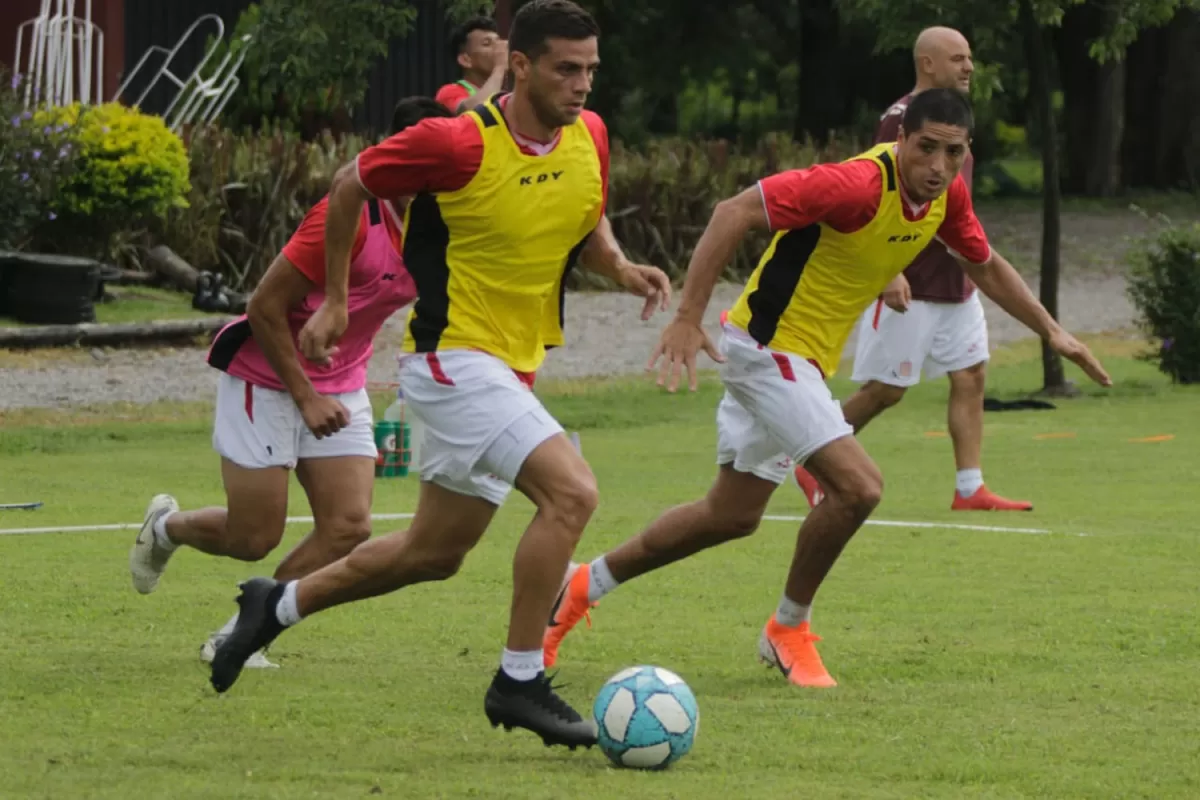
(971, 663)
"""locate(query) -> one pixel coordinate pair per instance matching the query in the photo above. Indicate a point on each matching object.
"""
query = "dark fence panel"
(417, 64)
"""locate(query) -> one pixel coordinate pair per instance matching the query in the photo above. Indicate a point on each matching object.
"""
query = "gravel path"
(604, 337)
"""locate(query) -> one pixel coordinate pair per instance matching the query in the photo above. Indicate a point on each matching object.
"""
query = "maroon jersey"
(934, 275)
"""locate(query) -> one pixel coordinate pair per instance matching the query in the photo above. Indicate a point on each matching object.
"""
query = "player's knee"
(252, 542)
(442, 565)
(886, 396)
(255, 548)
(970, 381)
(739, 523)
(348, 531)
(574, 501)
(863, 494)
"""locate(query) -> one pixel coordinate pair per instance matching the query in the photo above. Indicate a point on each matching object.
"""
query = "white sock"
(229, 626)
(790, 613)
(286, 611)
(522, 665)
(968, 481)
(600, 580)
(160, 532)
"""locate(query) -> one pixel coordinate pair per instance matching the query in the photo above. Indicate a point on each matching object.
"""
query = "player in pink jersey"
(277, 411)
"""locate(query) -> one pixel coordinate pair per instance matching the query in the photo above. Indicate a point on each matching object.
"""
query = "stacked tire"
(49, 289)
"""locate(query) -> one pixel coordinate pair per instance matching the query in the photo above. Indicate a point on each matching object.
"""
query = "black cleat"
(257, 627)
(534, 706)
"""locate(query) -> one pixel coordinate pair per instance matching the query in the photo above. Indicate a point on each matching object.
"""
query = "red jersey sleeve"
(439, 154)
(599, 133)
(844, 196)
(961, 230)
(451, 95)
(306, 249)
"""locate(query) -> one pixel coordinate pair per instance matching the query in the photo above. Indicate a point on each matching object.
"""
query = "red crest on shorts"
(905, 369)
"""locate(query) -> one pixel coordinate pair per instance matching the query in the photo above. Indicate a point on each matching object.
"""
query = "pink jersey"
(379, 286)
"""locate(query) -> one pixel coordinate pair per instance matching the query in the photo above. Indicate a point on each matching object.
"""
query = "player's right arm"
(282, 288)
(844, 195)
(439, 154)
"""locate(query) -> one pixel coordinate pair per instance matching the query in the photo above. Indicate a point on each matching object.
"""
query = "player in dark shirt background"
(930, 319)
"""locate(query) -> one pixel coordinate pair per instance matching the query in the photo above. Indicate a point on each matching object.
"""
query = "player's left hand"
(1074, 350)
(677, 347)
(648, 282)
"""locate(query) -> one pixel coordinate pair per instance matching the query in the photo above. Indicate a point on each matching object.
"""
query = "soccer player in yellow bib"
(507, 196)
(842, 232)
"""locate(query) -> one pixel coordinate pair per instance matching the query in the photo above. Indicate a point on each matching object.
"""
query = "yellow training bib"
(812, 283)
(490, 259)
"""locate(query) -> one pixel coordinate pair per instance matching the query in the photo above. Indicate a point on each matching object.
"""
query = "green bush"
(129, 170)
(661, 196)
(35, 162)
(250, 192)
(248, 195)
(1164, 285)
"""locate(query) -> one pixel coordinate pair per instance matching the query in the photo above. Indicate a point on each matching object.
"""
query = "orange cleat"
(983, 500)
(793, 652)
(571, 606)
(808, 484)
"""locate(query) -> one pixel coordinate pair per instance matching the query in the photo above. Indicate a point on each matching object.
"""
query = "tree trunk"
(1161, 148)
(168, 264)
(1077, 76)
(1036, 47)
(1103, 176)
(820, 89)
(88, 333)
(1093, 102)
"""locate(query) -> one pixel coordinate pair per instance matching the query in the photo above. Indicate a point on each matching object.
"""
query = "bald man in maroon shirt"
(930, 319)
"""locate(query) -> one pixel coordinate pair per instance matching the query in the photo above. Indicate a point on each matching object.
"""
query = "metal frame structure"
(65, 54)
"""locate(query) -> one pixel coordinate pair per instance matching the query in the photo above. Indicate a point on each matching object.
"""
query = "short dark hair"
(458, 36)
(540, 20)
(943, 106)
(412, 110)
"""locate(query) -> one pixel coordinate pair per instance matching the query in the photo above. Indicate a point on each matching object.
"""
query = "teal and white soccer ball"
(646, 718)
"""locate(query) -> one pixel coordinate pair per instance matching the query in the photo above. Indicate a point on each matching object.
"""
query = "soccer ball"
(646, 718)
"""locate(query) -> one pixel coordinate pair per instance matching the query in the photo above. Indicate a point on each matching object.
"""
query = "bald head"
(942, 58)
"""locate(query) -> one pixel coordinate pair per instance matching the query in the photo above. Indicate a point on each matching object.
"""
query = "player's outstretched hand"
(1071, 348)
(677, 347)
(648, 282)
(321, 332)
(324, 415)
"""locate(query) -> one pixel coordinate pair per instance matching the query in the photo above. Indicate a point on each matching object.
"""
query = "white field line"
(889, 523)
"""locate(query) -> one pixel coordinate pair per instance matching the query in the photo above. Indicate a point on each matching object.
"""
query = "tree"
(993, 23)
(1091, 49)
(308, 61)
(1161, 146)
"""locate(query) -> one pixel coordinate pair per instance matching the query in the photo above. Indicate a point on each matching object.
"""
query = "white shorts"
(481, 422)
(258, 428)
(777, 410)
(933, 338)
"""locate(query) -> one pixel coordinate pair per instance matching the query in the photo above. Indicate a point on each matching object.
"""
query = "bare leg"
(853, 486)
(445, 528)
(732, 509)
(253, 524)
(965, 415)
(871, 400)
(561, 484)
(339, 492)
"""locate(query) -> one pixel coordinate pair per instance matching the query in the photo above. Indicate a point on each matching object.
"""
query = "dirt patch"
(604, 333)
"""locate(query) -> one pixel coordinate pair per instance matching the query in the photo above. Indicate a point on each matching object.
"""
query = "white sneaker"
(147, 560)
(257, 660)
